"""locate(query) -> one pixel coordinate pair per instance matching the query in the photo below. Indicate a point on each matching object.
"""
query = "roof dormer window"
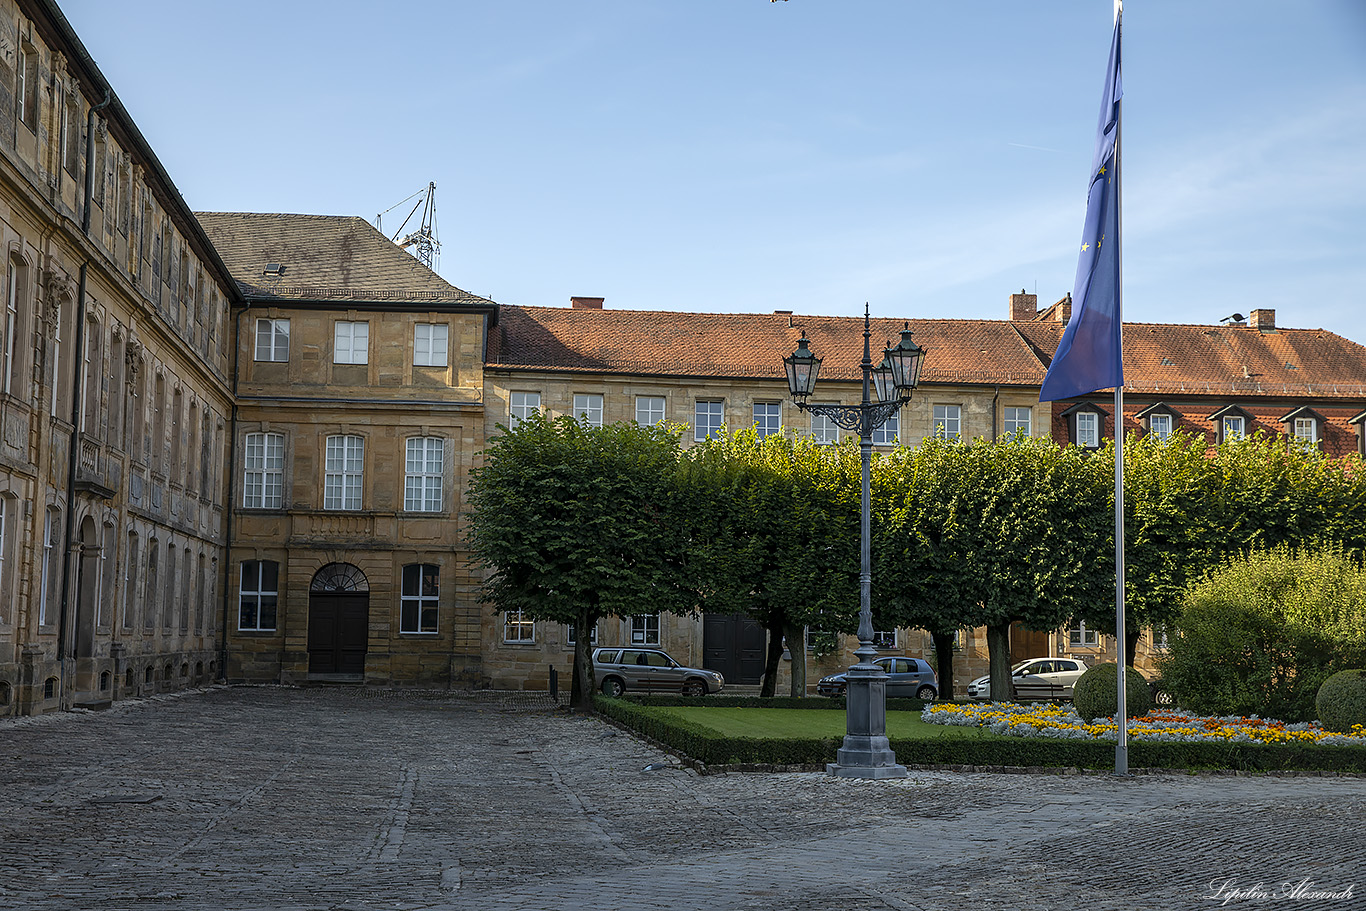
(274, 269)
(1159, 421)
(1086, 424)
(1232, 422)
(1304, 425)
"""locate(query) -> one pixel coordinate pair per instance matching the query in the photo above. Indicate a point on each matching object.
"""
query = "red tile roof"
(748, 345)
(1159, 358)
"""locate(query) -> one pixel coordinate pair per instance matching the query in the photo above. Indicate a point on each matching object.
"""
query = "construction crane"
(423, 243)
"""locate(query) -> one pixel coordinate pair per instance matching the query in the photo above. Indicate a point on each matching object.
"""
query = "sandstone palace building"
(237, 446)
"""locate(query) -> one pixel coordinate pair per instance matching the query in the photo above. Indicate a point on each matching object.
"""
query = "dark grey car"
(649, 670)
(908, 677)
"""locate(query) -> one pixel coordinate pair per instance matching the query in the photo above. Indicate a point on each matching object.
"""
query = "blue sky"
(808, 155)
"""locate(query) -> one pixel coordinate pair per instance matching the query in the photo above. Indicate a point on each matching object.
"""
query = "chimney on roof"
(1263, 319)
(1024, 306)
(586, 303)
(1062, 310)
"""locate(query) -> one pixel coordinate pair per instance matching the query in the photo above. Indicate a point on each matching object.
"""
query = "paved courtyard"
(353, 799)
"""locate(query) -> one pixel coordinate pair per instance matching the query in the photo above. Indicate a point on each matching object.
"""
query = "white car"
(1034, 679)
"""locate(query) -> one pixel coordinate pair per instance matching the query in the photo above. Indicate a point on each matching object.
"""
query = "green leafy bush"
(1261, 634)
(1341, 702)
(1096, 693)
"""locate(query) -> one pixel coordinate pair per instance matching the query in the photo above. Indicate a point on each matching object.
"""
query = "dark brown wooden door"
(1027, 643)
(338, 631)
(733, 644)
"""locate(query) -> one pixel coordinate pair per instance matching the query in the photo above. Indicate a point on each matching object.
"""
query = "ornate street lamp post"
(866, 752)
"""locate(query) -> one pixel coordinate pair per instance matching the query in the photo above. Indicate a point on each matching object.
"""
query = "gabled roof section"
(1304, 411)
(1158, 408)
(323, 258)
(749, 345)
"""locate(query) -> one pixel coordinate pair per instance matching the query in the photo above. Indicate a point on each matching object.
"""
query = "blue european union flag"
(1090, 355)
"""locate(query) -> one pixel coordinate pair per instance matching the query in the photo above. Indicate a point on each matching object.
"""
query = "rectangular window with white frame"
(344, 468)
(1088, 429)
(46, 587)
(350, 342)
(889, 433)
(948, 422)
(11, 324)
(1080, 636)
(1306, 430)
(1018, 421)
(430, 341)
(26, 94)
(418, 601)
(1233, 427)
(708, 419)
(522, 405)
(423, 475)
(263, 471)
(588, 408)
(518, 627)
(767, 418)
(571, 634)
(645, 629)
(824, 430)
(884, 639)
(649, 410)
(272, 340)
(822, 642)
(1160, 426)
(260, 595)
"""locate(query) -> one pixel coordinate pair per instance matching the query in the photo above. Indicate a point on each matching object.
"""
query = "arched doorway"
(338, 620)
(87, 589)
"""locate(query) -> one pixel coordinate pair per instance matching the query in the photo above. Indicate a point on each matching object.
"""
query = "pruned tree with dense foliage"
(994, 533)
(575, 523)
(772, 540)
(1188, 508)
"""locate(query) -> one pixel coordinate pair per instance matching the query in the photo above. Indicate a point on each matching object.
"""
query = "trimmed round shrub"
(1096, 693)
(1342, 701)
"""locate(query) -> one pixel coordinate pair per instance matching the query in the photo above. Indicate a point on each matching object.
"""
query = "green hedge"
(758, 702)
(697, 742)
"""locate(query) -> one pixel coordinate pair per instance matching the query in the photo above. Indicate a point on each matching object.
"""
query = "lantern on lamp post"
(866, 752)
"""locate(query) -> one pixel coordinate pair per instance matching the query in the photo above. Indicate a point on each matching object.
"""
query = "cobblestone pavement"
(357, 799)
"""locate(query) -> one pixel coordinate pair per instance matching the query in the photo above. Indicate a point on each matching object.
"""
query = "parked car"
(649, 670)
(1034, 679)
(909, 677)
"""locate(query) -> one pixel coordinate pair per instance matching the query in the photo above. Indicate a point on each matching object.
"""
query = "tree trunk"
(583, 686)
(771, 661)
(1131, 637)
(796, 642)
(943, 659)
(998, 650)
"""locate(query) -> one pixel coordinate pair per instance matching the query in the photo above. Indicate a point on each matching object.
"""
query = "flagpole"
(1122, 743)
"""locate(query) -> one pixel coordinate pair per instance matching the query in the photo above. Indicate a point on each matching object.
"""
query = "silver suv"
(648, 670)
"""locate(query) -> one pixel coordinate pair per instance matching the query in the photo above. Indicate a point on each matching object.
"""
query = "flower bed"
(1158, 726)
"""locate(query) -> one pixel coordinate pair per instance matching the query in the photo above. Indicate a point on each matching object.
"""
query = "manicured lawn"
(779, 724)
